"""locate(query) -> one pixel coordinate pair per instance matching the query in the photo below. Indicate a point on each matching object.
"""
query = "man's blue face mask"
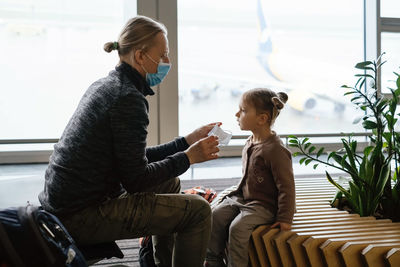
(162, 71)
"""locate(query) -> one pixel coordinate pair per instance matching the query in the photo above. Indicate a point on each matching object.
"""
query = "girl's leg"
(240, 231)
(222, 215)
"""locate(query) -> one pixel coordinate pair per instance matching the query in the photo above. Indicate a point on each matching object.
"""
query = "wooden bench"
(325, 236)
(280, 240)
(351, 251)
(376, 255)
(393, 256)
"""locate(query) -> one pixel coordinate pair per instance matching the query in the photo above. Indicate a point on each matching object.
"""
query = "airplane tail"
(265, 47)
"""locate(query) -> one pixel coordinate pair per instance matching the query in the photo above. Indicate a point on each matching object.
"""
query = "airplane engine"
(301, 100)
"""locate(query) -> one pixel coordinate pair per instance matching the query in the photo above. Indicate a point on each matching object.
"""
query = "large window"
(390, 8)
(389, 42)
(307, 49)
(51, 51)
(390, 45)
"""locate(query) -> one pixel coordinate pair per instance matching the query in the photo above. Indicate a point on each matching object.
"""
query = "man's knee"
(200, 206)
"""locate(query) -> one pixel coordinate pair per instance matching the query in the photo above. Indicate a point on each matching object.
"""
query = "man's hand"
(203, 150)
(200, 133)
(282, 225)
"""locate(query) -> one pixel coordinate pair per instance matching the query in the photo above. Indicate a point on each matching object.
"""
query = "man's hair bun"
(110, 46)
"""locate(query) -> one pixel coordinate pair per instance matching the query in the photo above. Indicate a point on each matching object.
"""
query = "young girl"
(266, 193)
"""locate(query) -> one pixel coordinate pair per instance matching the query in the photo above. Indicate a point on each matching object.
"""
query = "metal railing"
(285, 136)
(29, 155)
(27, 141)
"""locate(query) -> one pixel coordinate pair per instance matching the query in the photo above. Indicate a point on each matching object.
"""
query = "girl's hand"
(282, 225)
(200, 133)
(203, 150)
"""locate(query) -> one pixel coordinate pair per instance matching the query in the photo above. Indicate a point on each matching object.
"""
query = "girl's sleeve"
(282, 171)
(129, 120)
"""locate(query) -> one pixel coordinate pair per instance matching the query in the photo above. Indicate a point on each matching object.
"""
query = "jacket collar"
(272, 137)
(135, 77)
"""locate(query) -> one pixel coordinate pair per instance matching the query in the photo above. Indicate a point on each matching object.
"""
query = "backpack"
(31, 236)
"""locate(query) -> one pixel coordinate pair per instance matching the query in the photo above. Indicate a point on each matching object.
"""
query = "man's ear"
(139, 57)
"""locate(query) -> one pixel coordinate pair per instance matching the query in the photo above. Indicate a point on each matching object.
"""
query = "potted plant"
(369, 188)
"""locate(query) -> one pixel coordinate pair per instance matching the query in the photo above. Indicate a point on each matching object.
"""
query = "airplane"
(304, 98)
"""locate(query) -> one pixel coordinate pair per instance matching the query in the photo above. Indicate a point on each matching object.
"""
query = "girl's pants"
(180, 224)
(233, 220)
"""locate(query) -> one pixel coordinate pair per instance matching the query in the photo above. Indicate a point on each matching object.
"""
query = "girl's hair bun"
(277, 102)
(283, 97)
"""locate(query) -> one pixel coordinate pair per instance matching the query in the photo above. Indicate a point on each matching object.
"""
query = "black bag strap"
(5, 244)
(27, 218)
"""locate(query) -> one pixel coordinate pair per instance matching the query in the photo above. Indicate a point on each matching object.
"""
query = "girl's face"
(247, 116)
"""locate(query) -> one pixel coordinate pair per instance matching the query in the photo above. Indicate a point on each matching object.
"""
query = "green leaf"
(305, 140)
(307, 145)
(365, 75)
(369, 124)
(320, 151)
(383, 177)
(295, 154)
(380, 64)
(398, 81)
(337, 158)
(293, 141)
(354, 146)
(331, 155)
(302, 160)
(338, 186)
(311, 149)
(349, 92)
(393, 105)
(355, 98)
(362, 83)
(308, 161)
(355, 196)
(293, 145)
(359, 79)
(380, 56)
(350, 155)
(315, 166)
(363, 65)
(381, 105)
(397, 91)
